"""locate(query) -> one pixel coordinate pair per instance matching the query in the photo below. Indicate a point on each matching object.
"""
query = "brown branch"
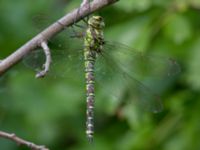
(51, 31)
(85, 2)
(20, 141)
(47, 63)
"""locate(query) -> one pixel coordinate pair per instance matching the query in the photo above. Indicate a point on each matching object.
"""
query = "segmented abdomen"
(89, 70)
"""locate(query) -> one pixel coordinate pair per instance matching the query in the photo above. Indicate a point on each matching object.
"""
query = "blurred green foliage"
(51, 111)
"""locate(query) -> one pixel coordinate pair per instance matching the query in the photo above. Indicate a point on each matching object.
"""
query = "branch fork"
(48, 60)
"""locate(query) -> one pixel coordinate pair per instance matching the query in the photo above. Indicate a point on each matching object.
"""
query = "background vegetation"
(52, 111)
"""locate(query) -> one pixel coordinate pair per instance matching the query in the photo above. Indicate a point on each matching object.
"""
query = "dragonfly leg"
(87, 4)
(76, 34)
(80, 26)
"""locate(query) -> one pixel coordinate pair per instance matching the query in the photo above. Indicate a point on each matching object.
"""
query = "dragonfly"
(105, 60)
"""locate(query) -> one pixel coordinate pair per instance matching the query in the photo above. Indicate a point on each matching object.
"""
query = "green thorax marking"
(94, 39)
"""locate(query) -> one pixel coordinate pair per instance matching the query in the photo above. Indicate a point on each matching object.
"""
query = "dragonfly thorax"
(96, 22)
(94, 38)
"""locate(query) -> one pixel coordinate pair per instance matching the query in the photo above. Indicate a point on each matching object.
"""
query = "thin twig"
(47, 63)
(51, 31)
(20, 141)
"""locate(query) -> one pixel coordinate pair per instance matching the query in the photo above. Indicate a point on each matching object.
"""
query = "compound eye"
(100, 18)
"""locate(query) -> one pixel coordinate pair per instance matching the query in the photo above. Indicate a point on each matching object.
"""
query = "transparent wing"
(64, 61)
(66, 51)
(140, 64)
(142, 76)
(119, 69)
(71, 60)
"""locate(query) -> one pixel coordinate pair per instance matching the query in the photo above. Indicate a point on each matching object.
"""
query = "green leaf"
(135, 33)
(178, 29)
(194, 65)
(129, 6)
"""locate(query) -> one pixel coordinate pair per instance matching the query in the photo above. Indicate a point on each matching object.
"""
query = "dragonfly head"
(96, 22)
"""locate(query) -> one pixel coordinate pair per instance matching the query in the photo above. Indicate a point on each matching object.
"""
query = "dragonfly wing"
(123, 87)
(143, 65)
(143, 94)
(63, 63)
(142, 75)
